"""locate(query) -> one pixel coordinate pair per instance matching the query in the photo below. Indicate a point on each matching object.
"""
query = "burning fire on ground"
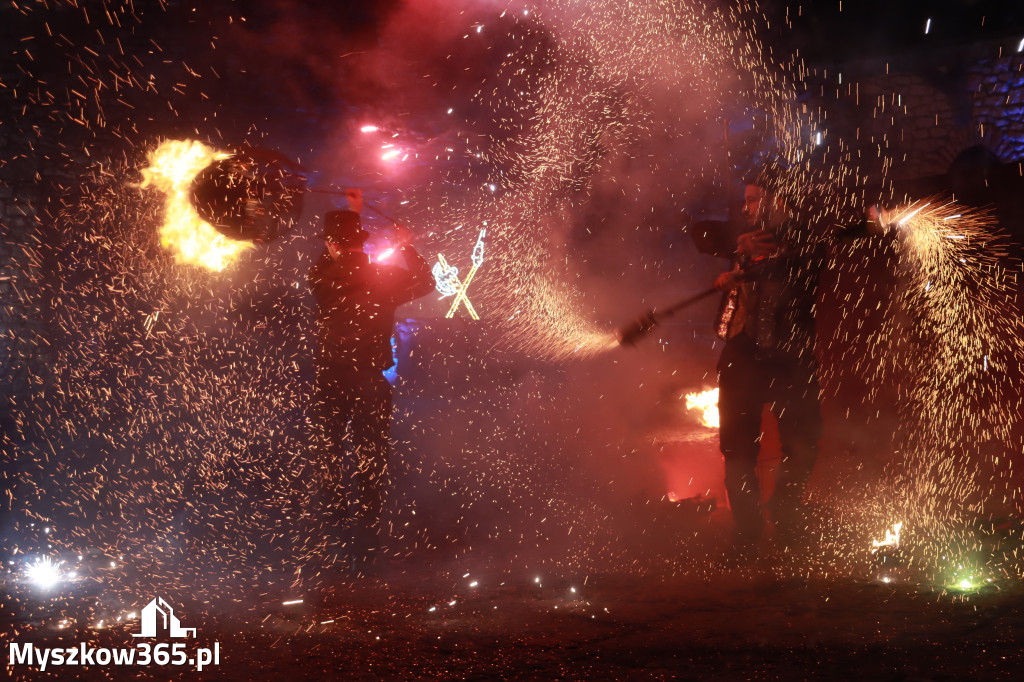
(707, 403)
(892, 538)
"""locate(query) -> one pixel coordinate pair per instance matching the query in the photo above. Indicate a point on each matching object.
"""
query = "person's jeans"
(353, 413)
(749, 378)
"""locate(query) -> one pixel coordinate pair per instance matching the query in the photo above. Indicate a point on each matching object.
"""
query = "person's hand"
(729, 280)
(881, 218)
(757, 244)
(355, 199)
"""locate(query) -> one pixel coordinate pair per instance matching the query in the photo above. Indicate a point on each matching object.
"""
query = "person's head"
(343, 232)
(761, 208)
(763, 203)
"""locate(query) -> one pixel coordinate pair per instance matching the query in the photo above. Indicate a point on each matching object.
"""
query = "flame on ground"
(707, 403)
(892, 538)
(172, 167)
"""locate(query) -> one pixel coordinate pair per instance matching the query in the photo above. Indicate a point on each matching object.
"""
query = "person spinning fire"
(767, 321)
(356, 302)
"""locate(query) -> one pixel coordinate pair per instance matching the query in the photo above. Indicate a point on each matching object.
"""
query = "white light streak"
(44, 573)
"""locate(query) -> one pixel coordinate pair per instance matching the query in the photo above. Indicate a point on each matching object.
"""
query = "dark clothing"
(774, 304)
(357, 299)
(353, 411)
(748, 379)
(768, 324)
(356, 303)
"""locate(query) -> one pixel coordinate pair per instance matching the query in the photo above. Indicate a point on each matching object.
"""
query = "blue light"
(391, 373)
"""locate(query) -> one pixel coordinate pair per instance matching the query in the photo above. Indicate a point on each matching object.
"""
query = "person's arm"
(354, 196)
(875, 221)
(417, 280)
(856, 230)
(714, 237)
(420, 280)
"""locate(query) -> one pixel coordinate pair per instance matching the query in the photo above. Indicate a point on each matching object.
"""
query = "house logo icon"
(159, 610)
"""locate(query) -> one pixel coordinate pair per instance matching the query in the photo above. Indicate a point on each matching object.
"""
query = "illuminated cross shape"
(449, 284)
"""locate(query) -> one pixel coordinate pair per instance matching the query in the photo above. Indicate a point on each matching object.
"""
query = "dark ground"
(724, 628)
(423, 619)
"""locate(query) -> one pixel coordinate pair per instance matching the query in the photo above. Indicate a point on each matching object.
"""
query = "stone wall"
(924, 119)
(997, 94)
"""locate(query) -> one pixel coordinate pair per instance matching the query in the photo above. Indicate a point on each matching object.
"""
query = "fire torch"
(250, 194)
(253, 194)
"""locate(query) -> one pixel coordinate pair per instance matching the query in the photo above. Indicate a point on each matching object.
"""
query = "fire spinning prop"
(887, 559)
(219, 203)
(173, 166)
(449, 284)
(630, 334)
(250, 195)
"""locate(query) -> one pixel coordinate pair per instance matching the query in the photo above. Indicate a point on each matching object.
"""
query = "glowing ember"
(44, 574)
(707, 403)
(172, 167)
(892, 538)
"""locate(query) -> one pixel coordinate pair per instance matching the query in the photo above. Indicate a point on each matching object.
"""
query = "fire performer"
(767, 321)
(356, 301)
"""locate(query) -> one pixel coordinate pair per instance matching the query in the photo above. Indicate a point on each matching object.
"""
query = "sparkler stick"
(631, 333)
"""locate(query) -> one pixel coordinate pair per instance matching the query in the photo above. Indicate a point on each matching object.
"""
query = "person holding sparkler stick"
(356, 303)
(767, 321)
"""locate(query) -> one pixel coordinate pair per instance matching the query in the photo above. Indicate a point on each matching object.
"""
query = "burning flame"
(707, 403)
(892, 538)
(172, 167)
